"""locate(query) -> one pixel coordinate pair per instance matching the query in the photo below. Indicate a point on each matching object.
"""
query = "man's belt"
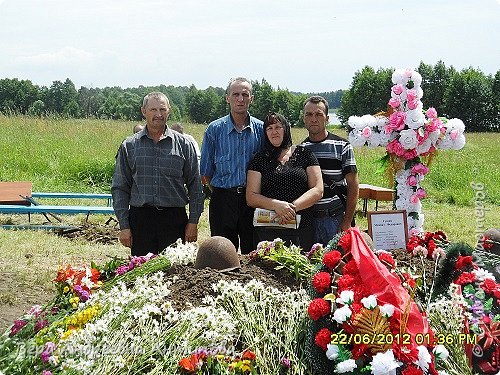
(235, 190)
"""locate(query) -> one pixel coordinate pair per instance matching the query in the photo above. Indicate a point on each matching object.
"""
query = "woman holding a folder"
(283, 182)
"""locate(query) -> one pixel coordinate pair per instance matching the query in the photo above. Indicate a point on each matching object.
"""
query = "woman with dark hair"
(285, 179)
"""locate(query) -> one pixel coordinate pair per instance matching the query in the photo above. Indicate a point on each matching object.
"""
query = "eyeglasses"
(272, 128)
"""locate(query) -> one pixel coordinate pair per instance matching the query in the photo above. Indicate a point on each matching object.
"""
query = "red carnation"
(331, 259)
(487, 243)
(463, 262)
(465, 278)
(345, 282)
(386, 258)
(345, 242)
(412, 370)
(323, 338)
(489, 286)
(321, 282)
(350, 268)
(409, 280)
(318, 308)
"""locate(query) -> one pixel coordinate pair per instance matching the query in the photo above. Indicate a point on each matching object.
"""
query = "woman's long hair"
(270, 150)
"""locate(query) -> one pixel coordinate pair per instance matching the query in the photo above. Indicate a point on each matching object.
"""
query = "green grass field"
(78, 156)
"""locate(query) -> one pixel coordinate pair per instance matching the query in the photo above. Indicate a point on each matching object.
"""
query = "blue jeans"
(325, 228)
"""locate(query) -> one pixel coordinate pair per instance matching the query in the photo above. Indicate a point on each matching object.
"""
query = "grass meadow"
(61, 155)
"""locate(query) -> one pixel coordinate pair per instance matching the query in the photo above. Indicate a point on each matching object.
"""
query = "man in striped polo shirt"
(335, 211)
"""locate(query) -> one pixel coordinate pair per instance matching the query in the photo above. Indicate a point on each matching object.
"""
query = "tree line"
(469, 94)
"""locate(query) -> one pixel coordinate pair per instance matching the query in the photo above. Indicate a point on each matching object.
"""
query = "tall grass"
(78, 155)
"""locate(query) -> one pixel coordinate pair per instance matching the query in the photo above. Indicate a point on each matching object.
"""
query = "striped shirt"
(226, 152)
(156, 174)
(336, 159)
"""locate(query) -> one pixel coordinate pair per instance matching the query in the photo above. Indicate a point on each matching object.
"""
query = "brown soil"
(192, 286)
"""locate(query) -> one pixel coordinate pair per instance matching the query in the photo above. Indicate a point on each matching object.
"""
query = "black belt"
(327, 213)
(159, 208)
(235, 190)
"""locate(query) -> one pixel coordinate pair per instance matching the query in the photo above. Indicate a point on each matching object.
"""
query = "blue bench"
(71, 210)
(74, 196)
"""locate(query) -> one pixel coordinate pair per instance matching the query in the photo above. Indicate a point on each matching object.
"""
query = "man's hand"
(191, 234)
(125, 237)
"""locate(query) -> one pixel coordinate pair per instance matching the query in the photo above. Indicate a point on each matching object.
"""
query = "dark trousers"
(154, 229)
(303, 237)
(230, 217)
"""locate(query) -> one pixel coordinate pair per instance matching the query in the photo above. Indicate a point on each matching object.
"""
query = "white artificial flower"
(424, 146)
(355, 122)
(416, 78)
(342, 314)
(441, 352)
(424, 358)
(434, 136)
(374, 140)
(332, 352)
(356, 138)
(415, 118)
(385, 363)
(369, 302)
(398, 76)
(368, 120)
(387, 310)
(456, 123)
(408, 139)
(482, 274)
(458, 143)
(345, 366)
(445, 143)
(346, 297)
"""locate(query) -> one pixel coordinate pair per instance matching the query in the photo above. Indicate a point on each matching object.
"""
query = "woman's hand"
(285, 211)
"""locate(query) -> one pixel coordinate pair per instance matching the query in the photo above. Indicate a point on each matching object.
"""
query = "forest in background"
(468, 94)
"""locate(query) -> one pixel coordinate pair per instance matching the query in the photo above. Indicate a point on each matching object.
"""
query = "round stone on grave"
(218, 253)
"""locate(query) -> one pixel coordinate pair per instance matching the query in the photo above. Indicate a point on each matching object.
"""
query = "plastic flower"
(369, 302)
(318, 308)
(346, 297)
(342, 314)
(18, 325)
(323, 338)
(424, 358)
(408, 138)
(387, 310)
(441, 352)
(385, 363)
(331, 259)
(345, 366)
(332, 352)
(321, 282)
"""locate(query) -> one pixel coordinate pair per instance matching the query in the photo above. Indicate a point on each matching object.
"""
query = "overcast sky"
(307, 46)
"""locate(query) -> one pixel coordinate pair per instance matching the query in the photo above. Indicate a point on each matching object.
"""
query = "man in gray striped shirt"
(156, 175)
(335, 211)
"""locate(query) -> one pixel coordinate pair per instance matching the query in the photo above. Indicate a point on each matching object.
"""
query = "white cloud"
(67, 56)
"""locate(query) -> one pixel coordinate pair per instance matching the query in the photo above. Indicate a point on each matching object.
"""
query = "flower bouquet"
(410, 136)
(364, 317)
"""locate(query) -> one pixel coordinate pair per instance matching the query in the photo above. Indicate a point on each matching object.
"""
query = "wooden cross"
(411, 138)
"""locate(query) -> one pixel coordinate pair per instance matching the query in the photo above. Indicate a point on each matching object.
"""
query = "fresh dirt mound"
(93, 233)
(197, 283)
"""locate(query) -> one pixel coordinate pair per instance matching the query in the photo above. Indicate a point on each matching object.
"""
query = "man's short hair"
(238, 80)
(156, 95)
(316, 99)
